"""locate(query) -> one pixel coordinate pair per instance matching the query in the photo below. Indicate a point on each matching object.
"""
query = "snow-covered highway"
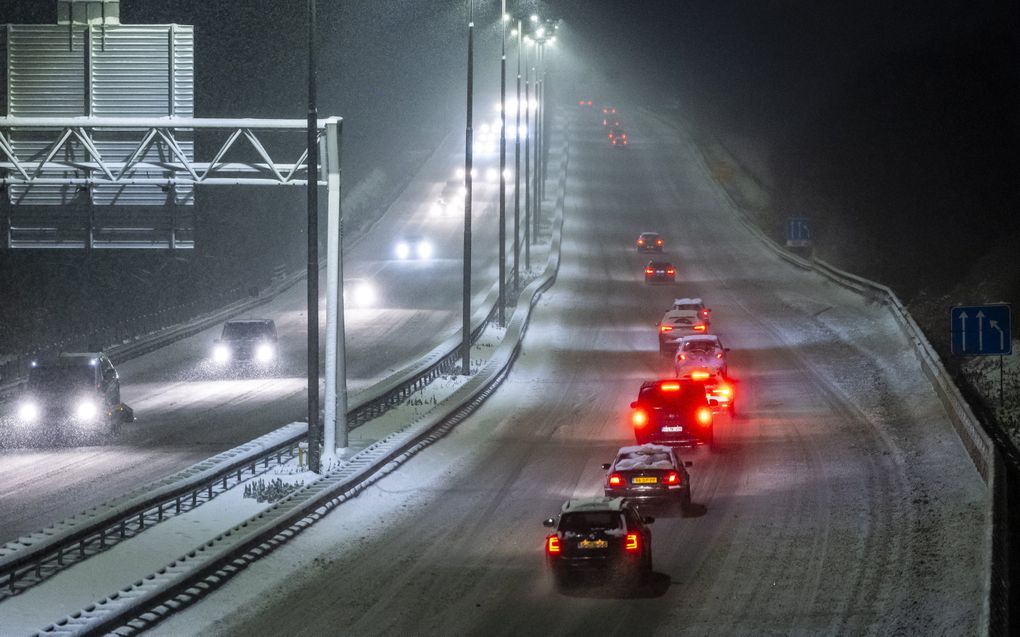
(840, 500)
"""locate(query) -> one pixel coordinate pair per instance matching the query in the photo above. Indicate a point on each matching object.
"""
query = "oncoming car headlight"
(402, 250)
(264, 353)
(86, 410)
(28, 411)
(424, 250)
(221, 353)
(364, 295)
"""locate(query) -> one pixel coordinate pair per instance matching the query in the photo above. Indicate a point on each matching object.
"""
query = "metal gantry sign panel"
(99, 70)
(981, 330)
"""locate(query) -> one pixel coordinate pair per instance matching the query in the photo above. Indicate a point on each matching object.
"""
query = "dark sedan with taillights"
(605, 535)
(649, 474)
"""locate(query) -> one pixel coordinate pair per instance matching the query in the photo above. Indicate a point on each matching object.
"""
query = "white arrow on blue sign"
(798, 232)
(981, 330)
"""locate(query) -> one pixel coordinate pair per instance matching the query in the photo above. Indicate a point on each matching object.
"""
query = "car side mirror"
(605, 466)
(549, 522)
(688, 463)
(633, 405)
(648, 519)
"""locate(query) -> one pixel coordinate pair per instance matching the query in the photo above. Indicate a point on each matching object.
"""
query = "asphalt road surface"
(840, 500)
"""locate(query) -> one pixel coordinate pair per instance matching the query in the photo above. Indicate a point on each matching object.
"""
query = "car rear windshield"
(57, 377)
(643, 460)
(584, 521)
(699, 346)
(686, 307)
(241, 331)
(688, 396)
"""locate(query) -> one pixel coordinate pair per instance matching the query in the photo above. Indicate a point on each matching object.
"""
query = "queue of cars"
(610, 535)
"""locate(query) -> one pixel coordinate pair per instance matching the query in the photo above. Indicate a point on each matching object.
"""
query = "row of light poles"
(540, 36)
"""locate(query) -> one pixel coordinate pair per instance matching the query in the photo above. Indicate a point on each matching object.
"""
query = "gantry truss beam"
(72, 156)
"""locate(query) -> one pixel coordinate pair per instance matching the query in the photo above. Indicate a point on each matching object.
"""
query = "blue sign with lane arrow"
(981, 330)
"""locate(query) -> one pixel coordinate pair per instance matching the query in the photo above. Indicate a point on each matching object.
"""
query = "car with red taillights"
(686, 317)
(719, 392)
(601, 535)
(649, 242)
(672, 412)
(649, 474)
(702, 353)
(660, 272)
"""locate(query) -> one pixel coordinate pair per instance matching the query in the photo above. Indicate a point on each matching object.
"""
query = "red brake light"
(649, 271)
(705, 416)
(616, 480)
(641, 242)
(699, 328)
(669, 387)
(704, 313)
(665, 328)
(718, 354)
(632, 542)
(670, 270)
(624, 136)
(658, 242)
(552, 544)
(673, 478)
(683, 357)
(725, 390)
(639, 418)
(699, 375)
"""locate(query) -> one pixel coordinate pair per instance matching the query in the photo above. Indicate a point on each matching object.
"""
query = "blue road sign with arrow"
(981, 330)
(798, 232)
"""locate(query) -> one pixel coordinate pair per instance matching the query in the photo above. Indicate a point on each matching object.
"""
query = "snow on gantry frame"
(90, 65)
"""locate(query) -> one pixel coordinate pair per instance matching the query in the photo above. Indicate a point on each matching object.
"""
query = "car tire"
(685, 504)
(561, 580)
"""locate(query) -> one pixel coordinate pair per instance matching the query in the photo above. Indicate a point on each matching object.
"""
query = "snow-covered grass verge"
(1004, 399)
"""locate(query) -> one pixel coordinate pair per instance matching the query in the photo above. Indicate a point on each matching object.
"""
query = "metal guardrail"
(179, 584)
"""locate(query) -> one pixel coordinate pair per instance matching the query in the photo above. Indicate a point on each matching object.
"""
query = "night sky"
(894, 125)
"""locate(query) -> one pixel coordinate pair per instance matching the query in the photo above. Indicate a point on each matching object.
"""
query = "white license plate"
(670, 430)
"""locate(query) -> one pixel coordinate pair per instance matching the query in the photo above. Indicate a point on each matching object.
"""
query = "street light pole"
(541, 133)
(466, 303)
(517, 166)
(502, 168)
(313, 252)
(527, 163)
(539, 159)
